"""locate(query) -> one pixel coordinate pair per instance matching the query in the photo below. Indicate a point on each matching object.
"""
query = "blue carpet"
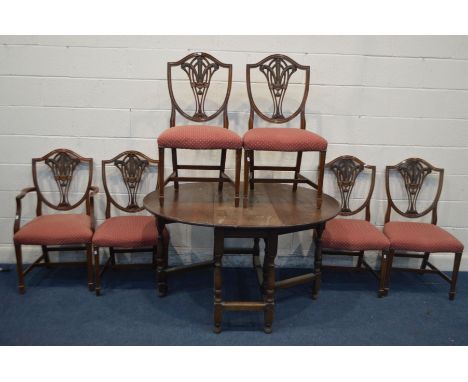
(58, 310)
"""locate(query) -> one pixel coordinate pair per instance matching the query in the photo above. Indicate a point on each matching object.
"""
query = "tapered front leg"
(218, 278)
(89, 265)
(97, 271)
(246, 178)
(222, 168)
(161, 176)
(383, 273)
(318, 261)
(237, 178)
(453, 283)
(19, 269)
(161, 261)
(321, 174)
(389, 271)
(269, 281)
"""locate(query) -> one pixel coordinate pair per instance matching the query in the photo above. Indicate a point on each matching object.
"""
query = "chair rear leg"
(161, 175)
(383, 273)
(45, 253)
(246, 177)
(298, 169)
(360, 260)
(251, 169)
(112, 255)
(237, 177)
(175, 168)
(97, 272)
(321, 174)
(89, 264)
(19, 269)
(424, 262)
(222, 168)
(453, 283)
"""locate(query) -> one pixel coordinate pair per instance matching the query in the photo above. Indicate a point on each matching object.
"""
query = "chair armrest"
(93, 190)
(20, 196)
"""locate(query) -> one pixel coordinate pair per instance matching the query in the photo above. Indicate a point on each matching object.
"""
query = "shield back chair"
(278, 70)
(129, 233)
(199, 68)
(352, 237)
(57, 232)
(416, 239)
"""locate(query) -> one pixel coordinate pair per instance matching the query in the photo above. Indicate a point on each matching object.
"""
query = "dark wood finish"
(414, 172)
(346, 169)
(278, 70)
(272, 210)
(199, 68)
(62, 164)
(133, 167)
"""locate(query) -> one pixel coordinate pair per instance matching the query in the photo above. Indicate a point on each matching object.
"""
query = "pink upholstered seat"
(420, 237)
(283, 139)
(198, 137)
(353, 235)
(128, 232)
(59, 229)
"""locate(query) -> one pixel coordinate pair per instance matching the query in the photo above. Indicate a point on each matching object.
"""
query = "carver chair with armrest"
(352, 236)
(278, 70)
(411, 239)
(200, 68)
(129, 233)
(57, 232)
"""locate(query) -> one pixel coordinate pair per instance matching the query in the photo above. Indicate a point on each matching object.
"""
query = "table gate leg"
(218, 281)
(161, 261)
(269, 281)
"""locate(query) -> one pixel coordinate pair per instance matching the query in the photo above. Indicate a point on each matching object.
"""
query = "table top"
(269, 206)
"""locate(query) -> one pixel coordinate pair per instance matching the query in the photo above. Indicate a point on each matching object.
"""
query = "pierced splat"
(131, 167)
(277, 71)
(199, 71)
(414, 172)
(63, 166)
(346, 170)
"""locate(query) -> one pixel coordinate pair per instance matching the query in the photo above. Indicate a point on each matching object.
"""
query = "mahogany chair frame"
(414, 172)
(132, 165)
(346, 169)
(278, 69)
(199, 68)
(62, 163)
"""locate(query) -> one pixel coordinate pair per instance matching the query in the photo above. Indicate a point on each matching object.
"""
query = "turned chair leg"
(222, 168)
(97, 272)
(161, 176)
(453, 283)
(19, 269)
(321, 174)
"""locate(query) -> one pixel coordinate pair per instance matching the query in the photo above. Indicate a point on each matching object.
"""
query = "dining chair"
(199, 68)
(277, 70)
(131, 232)
(57, 231)
(411, 239)
(353, 236)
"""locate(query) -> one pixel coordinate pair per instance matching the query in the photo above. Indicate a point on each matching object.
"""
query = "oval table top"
(269, 206)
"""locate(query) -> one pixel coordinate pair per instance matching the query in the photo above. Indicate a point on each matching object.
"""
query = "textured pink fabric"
(56, 230)
(128, 232)
(283, 139)
(353, 235)
(420, 237)
(199, 137)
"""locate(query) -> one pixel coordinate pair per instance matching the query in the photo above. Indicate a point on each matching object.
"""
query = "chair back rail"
(62, 164)
(199, 68)
(278, 70)
(132, 166)
(414, 172)
(346, 169)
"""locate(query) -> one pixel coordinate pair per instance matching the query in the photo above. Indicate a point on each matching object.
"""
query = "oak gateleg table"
(270, 210)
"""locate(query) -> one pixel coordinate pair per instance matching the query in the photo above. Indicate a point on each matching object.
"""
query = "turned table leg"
(218, 280)
(269, 280)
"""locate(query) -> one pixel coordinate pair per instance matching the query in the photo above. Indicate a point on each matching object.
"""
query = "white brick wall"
(381, 98)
